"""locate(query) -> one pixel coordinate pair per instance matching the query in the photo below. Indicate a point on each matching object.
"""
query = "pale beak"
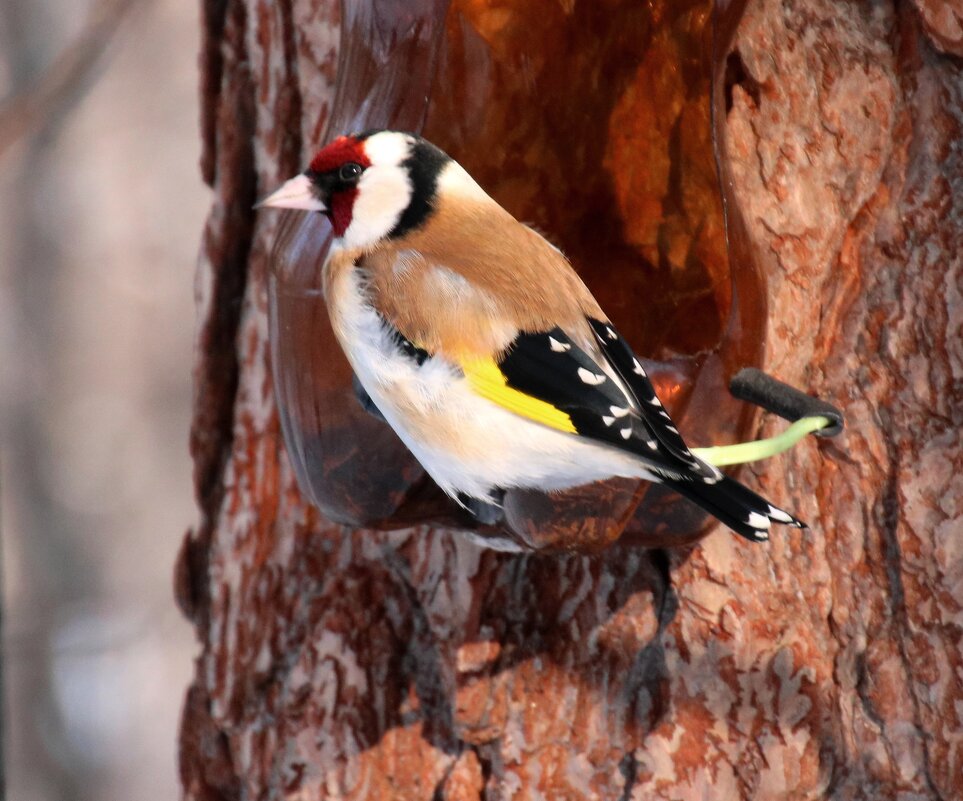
(294, 194)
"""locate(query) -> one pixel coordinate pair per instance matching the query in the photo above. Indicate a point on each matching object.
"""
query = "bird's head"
(372, 186)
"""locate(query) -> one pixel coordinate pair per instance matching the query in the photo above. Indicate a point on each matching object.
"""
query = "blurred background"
(101, 208)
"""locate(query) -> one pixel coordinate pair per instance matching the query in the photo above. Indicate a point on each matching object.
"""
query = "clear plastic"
(593, 122)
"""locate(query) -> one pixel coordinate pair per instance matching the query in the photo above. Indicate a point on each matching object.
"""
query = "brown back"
(473, 277)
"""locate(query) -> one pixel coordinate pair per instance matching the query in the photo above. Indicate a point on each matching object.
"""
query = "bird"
(478, 343)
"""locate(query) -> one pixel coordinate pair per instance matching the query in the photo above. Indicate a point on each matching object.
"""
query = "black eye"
(349, 171)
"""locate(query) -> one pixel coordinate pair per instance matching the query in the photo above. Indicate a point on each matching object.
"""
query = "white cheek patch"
(384, 190)
(383, 195)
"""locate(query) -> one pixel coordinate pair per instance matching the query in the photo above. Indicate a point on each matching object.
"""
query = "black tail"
(735, 505)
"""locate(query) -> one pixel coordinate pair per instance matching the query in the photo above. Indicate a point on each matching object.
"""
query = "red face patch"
(342, 150)
(342, 210)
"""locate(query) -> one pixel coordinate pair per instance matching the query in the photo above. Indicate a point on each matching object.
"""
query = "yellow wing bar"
(488, 381)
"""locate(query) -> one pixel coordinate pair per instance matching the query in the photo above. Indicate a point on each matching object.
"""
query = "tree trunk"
(413, 665)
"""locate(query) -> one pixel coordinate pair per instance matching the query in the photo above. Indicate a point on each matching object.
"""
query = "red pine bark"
(412, 665)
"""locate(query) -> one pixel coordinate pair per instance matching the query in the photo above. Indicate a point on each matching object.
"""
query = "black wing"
(551, 367)
(620, 356)
(627, 414)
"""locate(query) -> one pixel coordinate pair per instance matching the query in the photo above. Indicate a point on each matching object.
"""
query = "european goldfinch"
(480, 345)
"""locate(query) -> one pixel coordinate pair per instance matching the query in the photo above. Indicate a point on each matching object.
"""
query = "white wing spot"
(637, 368)
(758, 521)
(626, 433)
(608, 420)
(673, 429)
(654, 401)
(663, 414)
(618, 411)
(588, 377)
(779, 514)
(653, 445)
(558, 347)
(610, 333)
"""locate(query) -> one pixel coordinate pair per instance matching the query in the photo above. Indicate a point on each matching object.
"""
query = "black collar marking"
(424, 164)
